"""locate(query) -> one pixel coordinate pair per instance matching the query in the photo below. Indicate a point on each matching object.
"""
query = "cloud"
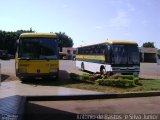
(120, 20)
(64, 5)
(130, 7)
(144, 22)
(98, 27)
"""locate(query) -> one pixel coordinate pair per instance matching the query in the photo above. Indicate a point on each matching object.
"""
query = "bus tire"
(82, 66)
(102, 70)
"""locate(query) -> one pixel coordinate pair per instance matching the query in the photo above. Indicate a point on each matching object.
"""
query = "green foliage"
(149, 45)
(116, 82)
(136, 81)
(74, 76)
(84, 77)
(115, 76)
(8, 40)
(64, 40)
(119, 80)
(129, 77)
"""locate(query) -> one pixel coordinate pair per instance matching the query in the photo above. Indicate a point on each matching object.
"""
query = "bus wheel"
(102, 70)
(82, 67)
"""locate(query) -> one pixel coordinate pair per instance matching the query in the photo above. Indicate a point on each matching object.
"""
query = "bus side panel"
(93, 67)
(78, 64)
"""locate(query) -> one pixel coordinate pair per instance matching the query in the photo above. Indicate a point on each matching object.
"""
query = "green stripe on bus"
(91, 60)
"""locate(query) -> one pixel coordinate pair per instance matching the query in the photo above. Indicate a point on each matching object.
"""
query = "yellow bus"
(111, 56)
(37, 56)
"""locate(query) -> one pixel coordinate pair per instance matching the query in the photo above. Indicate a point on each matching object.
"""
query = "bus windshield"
(38, 48)
(125, 54)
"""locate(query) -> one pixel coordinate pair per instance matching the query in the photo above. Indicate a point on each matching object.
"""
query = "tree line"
(8, 40)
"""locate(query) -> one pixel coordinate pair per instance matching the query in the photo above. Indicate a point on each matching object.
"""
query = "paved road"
(145, 108)
(146, 105)
(150, 71)
(147, 70)
(18, 88)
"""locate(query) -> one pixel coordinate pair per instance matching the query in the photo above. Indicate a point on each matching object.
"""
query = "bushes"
(116, 80)
(74, 76)
(119, 80)
(81, 78)
(84, 77)
(129, 77)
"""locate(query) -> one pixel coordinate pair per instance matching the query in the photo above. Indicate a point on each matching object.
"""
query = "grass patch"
(137, 86)
(147, 85)
(116, 82)
(75, 82)
(150, 85)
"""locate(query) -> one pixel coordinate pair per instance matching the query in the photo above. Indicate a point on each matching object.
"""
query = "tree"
(8, 40)
(148, 45)
(64, 40)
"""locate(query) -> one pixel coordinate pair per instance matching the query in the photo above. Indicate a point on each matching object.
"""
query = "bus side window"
(107, 53)
(101, 49)
(97, 50)
(83, 51)
(86, 50)
(91, 50)
(78, 51)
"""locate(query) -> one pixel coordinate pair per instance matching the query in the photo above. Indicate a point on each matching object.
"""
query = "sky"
(86, 21)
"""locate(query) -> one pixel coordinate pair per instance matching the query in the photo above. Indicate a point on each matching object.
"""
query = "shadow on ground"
(7, 78)
(38, 112)
(64, 79)
(4, 77)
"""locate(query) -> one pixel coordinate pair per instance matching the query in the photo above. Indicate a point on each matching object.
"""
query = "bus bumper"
(135, 73)
(38, 75)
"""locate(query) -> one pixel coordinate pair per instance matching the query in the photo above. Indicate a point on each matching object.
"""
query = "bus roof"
(119, 42)
(50, 35)
(114, 42)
